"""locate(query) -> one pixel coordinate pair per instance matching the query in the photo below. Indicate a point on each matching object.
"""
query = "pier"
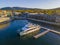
(51, 30)
(52, 23)
(41, 34)
(45, 32)
(9, 35)
(46, 29)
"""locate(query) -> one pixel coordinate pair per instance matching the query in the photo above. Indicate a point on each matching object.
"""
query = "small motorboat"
(29, 30)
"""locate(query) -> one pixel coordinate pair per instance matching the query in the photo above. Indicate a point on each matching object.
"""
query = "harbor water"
(8, 35)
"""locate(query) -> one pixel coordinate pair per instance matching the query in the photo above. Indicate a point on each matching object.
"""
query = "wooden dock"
(45, 32)
(41, 34)
(51, 30)
(55, 32)
(52, 23)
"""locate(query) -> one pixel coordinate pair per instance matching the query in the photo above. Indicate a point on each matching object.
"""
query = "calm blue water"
(8, 36)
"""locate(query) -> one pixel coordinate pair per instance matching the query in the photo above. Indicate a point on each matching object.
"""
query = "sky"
(43, 4)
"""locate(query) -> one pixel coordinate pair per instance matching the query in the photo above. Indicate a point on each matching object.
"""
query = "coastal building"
(17, 13)
(3, 13)
(58, 12)
(57, 18)
(6, 13)
(0, 13)
(10, 12)
(44, 17)
(33, 13)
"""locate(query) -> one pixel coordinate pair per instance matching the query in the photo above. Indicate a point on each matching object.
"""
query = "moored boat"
(29, 31)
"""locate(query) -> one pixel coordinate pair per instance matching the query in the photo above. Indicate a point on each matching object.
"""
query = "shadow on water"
(8, 36)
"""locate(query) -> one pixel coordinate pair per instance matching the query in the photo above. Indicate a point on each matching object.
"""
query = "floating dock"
(41, 34)
(45, 32)
(55, 32)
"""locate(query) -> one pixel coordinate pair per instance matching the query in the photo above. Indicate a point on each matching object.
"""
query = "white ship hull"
(29, 32)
